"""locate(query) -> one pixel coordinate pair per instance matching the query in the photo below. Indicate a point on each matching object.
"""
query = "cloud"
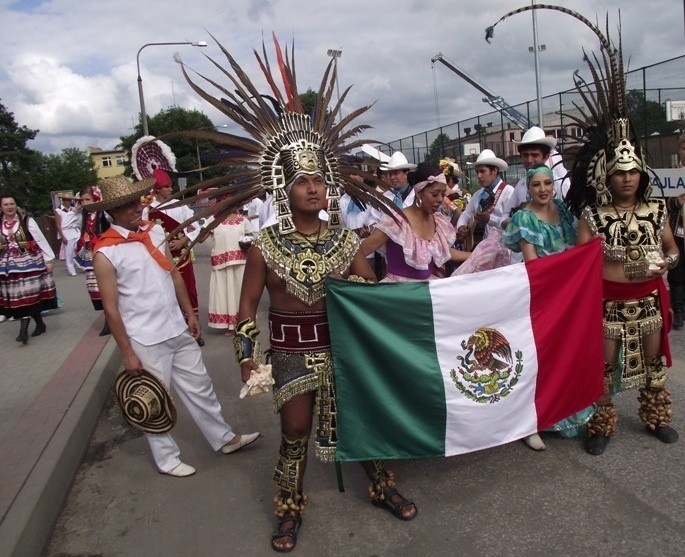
(69, 67)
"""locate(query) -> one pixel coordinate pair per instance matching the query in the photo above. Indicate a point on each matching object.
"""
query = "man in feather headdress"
(610, 193)
(297, 158)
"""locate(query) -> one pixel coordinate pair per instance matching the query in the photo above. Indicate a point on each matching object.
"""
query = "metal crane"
(495, 101)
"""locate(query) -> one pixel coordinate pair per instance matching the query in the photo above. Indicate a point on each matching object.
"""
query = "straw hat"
(488, 157)
(118, 191)
(397, 162)
(536, 136)
(145, 402)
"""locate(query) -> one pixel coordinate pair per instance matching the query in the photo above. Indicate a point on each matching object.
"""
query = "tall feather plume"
(605, 110)
(265, 121)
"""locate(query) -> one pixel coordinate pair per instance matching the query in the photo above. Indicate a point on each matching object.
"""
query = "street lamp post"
(143, 114)
(536, 52)
(333, 53)
(197, 147)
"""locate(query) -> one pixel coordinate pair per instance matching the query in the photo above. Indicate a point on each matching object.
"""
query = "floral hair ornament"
(96, 193)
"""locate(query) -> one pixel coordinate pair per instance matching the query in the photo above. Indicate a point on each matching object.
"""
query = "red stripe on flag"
(566, 316)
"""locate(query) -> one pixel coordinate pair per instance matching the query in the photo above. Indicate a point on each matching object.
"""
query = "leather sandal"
(395, 507)
(286, 533)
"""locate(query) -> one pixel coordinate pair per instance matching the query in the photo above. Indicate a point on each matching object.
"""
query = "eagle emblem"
(487, 372)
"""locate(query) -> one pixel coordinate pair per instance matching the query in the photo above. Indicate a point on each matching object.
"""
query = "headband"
(439, 179)
(542, 169)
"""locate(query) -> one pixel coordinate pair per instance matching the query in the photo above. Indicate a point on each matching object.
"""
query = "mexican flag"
(439, 368)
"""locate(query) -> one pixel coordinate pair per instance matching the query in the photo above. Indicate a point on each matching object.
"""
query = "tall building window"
(121, 160)
(106, 162)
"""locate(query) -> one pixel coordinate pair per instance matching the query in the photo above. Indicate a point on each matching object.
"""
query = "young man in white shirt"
(143, 296)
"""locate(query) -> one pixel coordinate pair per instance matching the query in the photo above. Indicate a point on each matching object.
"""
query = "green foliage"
(648, 117)
(15, 157)
(436, 151)
(308, 99)
(72, 169)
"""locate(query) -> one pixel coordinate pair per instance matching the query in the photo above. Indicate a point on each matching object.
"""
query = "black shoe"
(200, 341)
(24, 330)
(39, 330)
(665, 434)
(105, 330)
(595, 444)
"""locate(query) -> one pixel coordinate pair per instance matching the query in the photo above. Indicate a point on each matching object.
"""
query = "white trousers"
(177, 362)
(69, 250)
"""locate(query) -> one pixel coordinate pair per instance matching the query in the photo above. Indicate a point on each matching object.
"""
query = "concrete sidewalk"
(508, 499)
(51, 394)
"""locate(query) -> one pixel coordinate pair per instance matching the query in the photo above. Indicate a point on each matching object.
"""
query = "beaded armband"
(672, 260)
(245, 340)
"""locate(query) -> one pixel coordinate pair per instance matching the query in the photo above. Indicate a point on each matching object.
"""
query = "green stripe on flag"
(379, 357)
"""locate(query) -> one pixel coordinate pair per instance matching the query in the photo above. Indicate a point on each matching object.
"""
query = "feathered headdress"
(281, 141)
(149, 154)
(610, 141)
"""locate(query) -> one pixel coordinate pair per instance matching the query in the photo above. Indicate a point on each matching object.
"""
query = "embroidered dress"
(94, 224)
(547, 238)
(26, 286)
(410, 257)
(228, 266)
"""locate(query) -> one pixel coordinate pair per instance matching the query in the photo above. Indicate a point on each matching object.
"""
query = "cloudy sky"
(68, 67)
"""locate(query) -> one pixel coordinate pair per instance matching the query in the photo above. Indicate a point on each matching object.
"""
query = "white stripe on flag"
(501, 299)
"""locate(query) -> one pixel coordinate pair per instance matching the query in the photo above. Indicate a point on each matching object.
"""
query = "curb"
(44, 471)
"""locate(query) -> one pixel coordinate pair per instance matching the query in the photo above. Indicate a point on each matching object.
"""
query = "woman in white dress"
(228, 264)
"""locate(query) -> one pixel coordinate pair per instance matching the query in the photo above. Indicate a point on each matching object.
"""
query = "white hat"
(488, 157)
(536, 136)
(397, 162)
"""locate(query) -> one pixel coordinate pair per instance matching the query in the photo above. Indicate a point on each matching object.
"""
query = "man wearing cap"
(169, 218)
(535, 149)
(145, 299)
(68, 221)
(487, 204)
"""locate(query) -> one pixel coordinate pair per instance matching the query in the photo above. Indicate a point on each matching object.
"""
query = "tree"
(72, 169)
(308, 99)
(175, 119)
(437, 149)
(15, 157)
(647, 116)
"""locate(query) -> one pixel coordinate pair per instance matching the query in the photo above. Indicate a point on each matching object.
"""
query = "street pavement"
(507, 500)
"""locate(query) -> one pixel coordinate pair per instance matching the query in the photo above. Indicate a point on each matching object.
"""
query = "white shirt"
(252, 209)
(498, 213)
(70, 223)
(180, 214)
(355, 218)
(147, 298)
(38, 237)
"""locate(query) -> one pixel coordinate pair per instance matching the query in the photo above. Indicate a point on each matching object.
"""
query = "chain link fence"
(650, 90)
